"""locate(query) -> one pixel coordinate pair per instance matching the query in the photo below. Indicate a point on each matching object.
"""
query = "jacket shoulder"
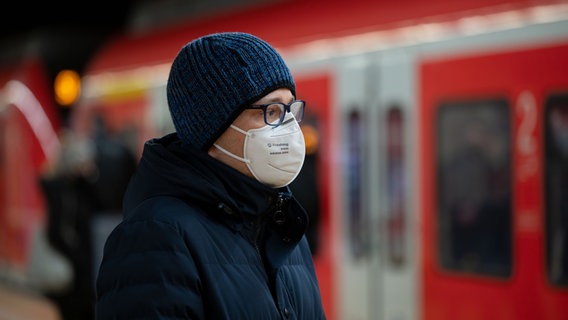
(163, 208)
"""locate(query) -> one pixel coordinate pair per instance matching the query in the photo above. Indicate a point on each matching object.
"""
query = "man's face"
(233, 141)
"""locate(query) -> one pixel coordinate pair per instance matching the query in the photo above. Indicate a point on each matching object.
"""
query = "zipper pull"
(279, 217)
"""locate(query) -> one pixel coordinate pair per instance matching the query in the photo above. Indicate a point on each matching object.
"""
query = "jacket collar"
(168, 167)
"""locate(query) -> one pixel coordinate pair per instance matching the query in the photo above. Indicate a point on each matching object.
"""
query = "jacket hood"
(170, 168)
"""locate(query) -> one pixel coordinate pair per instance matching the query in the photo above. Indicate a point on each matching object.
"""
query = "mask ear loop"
(247, 161)
(239, 130)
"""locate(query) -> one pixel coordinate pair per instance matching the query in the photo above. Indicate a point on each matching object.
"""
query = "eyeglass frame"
(287, 108)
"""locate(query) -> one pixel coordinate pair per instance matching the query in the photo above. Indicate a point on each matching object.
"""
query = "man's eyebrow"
(277, 99)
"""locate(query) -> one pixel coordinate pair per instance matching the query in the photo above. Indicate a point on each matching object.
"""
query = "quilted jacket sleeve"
(147, 272)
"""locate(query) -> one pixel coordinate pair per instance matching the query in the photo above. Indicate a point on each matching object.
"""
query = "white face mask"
(274, 155)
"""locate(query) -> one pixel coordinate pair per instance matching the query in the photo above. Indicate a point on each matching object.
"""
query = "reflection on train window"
(474, 187)
(556, 193)
(355, 218)
(396, 225)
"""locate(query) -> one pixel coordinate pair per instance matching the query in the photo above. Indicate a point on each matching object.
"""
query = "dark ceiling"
(66, 34)
(74, 28)
(52, 15)
(104, 15)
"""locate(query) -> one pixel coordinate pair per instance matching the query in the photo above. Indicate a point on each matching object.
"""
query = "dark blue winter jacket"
(200, 240)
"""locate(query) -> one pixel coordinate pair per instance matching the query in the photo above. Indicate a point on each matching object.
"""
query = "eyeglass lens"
(275, 113)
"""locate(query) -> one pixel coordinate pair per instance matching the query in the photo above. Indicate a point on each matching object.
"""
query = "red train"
(28, 139)
(439, 132)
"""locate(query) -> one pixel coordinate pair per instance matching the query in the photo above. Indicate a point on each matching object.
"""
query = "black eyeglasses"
(275, 112)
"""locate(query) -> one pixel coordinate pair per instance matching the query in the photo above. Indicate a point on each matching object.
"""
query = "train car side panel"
(519, 82)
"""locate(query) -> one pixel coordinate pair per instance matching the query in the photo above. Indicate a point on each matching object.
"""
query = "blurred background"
(436, 172)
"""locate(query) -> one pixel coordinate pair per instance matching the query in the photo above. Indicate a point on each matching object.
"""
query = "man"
(211, 229)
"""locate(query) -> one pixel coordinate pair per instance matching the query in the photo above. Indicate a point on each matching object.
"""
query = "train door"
(378, 266)
(314, 183)
(392, 198)
(487, 253)
(355, 220)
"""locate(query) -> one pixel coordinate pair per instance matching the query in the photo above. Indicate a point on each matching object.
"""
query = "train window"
(556, 184)
(474, 187)
(354, 169)
(395, 186)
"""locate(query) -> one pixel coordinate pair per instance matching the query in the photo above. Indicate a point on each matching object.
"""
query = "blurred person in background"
(115, 164)
(68, 187)
(211, 229)
(83, 192)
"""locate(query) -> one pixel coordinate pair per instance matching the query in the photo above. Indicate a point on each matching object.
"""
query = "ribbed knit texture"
(214, 77)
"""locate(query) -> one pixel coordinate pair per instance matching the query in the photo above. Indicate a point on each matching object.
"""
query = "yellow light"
(311, 138)
(67, 87)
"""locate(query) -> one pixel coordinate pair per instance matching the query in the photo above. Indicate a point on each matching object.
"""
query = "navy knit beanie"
(214, 77)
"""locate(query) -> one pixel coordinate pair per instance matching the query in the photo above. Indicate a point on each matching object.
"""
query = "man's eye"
(273, 112)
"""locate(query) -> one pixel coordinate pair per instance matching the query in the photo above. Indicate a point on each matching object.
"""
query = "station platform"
(20, 305)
